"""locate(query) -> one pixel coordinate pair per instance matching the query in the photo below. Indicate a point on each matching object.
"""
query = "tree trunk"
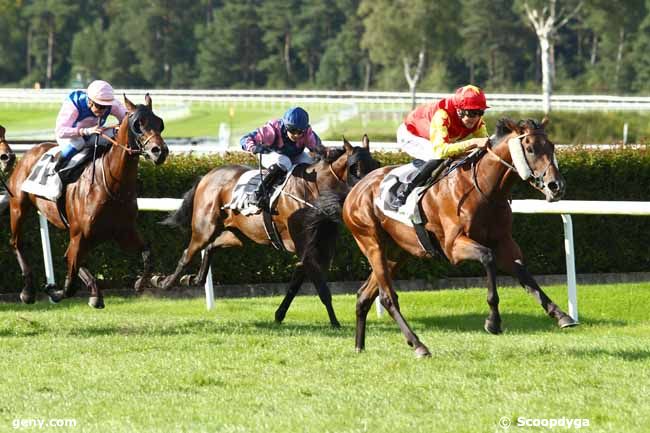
(286, 55)
(413, 80)
(594, 50)
(50, 52)
(366, 79)
(28, 49)
(547, 83)
(619, 56)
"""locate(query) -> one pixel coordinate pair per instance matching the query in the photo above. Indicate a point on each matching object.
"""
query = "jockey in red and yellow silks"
(449, 127)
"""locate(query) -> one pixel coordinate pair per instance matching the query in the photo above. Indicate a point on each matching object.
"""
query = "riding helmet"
(470, 98)
(297, 118)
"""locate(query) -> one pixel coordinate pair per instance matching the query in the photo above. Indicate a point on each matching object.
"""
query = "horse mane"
(502, 128)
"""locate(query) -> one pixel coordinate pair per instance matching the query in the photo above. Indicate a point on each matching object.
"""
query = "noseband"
(536, 181)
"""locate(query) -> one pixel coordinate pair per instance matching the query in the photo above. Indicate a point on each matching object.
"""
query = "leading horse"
(468, 213)
(306, 220)
(101, 205)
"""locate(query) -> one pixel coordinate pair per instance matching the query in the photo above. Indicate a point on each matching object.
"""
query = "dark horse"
(99, 208)
(306, 218)
(468, 213)
(7, 161)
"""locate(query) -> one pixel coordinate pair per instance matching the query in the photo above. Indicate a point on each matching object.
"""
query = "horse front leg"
(27, 294)
(371, 246)
(510, 259)
(294, 286)
(465, 248)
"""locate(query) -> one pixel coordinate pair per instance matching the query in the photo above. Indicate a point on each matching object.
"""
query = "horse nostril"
(155, 150)
(4, 157)
(554, 186)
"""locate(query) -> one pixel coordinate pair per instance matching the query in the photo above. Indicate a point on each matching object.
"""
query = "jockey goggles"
(471, 113)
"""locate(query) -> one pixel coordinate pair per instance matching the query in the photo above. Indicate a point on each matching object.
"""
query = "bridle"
(360, 155)
(536, 181)
(136, 131)
(2, 180)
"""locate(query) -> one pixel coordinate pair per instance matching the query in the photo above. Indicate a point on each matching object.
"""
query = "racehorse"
(101, 205)
(468, 213)
(306, 220)
(7, 161)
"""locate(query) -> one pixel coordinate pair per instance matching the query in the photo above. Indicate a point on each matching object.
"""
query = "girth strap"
(272, 231)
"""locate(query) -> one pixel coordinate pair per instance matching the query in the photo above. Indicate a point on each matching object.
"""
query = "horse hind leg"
(96, 299)
(226, 239)
(294, 286)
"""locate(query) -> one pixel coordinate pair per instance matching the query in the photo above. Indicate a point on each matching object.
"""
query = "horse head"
(144, 129)
(533, 155)
(7, 157)
(358, 161)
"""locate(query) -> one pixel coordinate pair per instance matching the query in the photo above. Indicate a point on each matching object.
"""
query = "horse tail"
(322, 228)
(182, 217)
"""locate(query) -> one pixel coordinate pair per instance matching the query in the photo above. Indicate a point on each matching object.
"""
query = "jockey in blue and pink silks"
(282, 144)
(82, 116)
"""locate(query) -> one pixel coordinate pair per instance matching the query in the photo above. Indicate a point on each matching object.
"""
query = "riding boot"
(423, 175)
(261, 196)
(60, 163)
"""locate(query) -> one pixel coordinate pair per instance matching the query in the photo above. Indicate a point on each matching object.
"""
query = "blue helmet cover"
(296, 117)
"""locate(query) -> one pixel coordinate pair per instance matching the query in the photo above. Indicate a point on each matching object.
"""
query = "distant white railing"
(564, 208)
(498, 101)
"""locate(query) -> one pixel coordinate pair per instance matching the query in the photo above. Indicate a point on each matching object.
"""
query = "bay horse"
(7, 161)
(100, 206)
(468, 213)
(307, 220)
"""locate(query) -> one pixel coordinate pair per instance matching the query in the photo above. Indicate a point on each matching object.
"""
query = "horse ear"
(512, 125)
(2, 132)
(365, 141)
(347, 146)
(545, 121)
(147, 99)
(129, 105)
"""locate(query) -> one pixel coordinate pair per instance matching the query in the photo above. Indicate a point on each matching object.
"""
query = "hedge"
(603, 243)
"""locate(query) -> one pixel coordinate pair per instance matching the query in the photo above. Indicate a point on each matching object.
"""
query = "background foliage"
(329, 44)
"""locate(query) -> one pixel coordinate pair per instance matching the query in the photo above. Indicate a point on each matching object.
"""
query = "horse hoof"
(96, 302)
(55, 296)
(422, 352)
(27, 297)
(187, 280)
(492, 327)
(335, 324)
(156, 281)
(566, 322)
(359, 349)
(139, 284)
(279, 317)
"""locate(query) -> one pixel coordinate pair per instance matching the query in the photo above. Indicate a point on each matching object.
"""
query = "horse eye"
(529, 149)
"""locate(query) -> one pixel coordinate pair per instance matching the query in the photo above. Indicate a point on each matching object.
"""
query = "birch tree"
(546, 22)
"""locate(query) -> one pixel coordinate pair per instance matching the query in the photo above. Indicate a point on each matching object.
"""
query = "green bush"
(603, 243)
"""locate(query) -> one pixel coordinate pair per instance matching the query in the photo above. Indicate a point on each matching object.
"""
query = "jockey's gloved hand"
(89, 131)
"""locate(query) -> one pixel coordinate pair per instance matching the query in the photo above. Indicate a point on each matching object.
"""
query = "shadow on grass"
(513, 322)
(624, 354)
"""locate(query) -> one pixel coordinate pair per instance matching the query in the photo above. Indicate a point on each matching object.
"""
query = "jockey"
(440, 130)
(82, 116)
(282, 144)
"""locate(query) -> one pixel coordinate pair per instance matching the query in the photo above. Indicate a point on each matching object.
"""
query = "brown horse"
(306, 220)
(468, 213)
(101, 205)
(7, 161)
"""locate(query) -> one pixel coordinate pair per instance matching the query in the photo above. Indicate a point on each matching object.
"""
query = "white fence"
(497, 101)
(564, 208)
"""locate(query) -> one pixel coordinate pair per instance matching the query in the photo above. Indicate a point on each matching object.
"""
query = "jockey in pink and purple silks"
(82, 116)
(282, 144)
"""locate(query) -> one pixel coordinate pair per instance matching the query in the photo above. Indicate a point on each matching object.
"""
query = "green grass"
(151, 365)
